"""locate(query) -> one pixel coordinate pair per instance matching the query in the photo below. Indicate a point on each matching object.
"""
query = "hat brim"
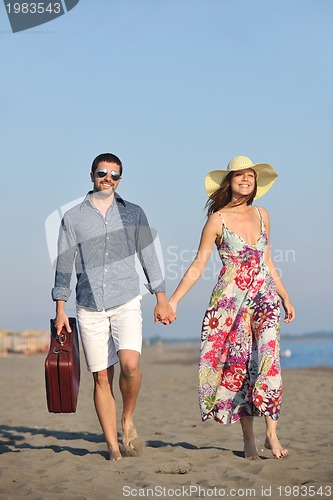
(266, 176)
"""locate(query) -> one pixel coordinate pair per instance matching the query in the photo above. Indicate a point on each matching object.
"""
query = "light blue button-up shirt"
(104, 250)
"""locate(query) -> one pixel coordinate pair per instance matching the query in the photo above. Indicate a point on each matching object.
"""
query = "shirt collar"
(87, 200)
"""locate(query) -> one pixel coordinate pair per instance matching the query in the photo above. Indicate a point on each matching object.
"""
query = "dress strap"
(223, 226)
(261, 219)
(258, 210)
(221, 217)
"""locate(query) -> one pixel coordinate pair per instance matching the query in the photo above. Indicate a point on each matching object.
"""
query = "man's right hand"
(61, 319)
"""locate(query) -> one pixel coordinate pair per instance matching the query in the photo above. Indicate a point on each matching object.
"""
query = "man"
(102, 235)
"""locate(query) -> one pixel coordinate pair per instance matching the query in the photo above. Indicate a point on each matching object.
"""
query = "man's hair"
(110, 158)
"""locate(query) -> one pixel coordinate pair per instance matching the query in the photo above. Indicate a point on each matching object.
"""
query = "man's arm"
(64, 268)
(146, 251)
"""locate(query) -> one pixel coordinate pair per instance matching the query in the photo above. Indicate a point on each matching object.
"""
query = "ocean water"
(299, 352)
(306, 353)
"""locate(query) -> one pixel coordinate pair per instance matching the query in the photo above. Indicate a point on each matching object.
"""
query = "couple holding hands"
(239, 365)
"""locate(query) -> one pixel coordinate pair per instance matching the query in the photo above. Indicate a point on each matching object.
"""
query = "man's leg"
(129, 383)
(100, 353)
(106, 409)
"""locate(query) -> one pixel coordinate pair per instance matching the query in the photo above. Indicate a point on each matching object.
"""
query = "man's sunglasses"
(102, 172)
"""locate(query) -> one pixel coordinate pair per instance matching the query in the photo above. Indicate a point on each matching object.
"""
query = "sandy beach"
(48, 456)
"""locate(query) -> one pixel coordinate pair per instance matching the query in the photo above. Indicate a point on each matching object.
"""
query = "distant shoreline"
(285, 337)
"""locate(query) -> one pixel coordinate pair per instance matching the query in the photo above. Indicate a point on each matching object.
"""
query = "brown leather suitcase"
(62, 370)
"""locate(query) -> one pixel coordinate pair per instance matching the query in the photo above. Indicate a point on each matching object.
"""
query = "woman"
(239, 370)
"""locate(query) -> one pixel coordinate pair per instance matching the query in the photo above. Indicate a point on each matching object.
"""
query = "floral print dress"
(239, 368)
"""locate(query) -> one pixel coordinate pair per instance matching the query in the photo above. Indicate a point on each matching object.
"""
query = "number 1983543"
(34, 8)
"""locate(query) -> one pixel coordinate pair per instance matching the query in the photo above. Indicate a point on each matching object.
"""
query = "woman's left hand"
(289, 310)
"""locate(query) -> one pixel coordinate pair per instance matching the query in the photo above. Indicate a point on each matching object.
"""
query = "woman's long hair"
(222, 196)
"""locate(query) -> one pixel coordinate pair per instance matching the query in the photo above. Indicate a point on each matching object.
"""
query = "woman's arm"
(211, 231)
(280, 288)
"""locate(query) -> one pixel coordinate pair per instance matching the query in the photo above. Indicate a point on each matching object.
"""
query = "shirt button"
(106, 270)
(106, 253)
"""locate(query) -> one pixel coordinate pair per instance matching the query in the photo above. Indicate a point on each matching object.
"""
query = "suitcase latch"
(62, 339)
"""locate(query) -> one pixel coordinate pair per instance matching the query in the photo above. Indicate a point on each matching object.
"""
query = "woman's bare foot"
(273, 444)
(250, 450)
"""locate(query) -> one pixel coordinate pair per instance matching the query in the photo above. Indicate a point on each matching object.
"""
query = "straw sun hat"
(266, 175)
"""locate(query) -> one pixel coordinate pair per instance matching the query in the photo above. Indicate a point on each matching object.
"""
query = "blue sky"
(175, 88)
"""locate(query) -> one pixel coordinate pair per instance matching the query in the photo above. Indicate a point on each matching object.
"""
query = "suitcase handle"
(62, 338)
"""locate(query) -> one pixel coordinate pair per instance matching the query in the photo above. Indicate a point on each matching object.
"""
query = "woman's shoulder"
(262, 210)
(215, 217)
(213, 223)
(223, 211)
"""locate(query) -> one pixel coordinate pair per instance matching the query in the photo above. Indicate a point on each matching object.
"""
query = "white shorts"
(104, 333)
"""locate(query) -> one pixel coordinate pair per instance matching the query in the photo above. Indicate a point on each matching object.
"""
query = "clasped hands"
(165, 313)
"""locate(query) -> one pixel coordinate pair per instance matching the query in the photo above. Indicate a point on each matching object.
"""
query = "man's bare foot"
(134, 447)
(131, 441)
(276, 448)
(114, 456)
